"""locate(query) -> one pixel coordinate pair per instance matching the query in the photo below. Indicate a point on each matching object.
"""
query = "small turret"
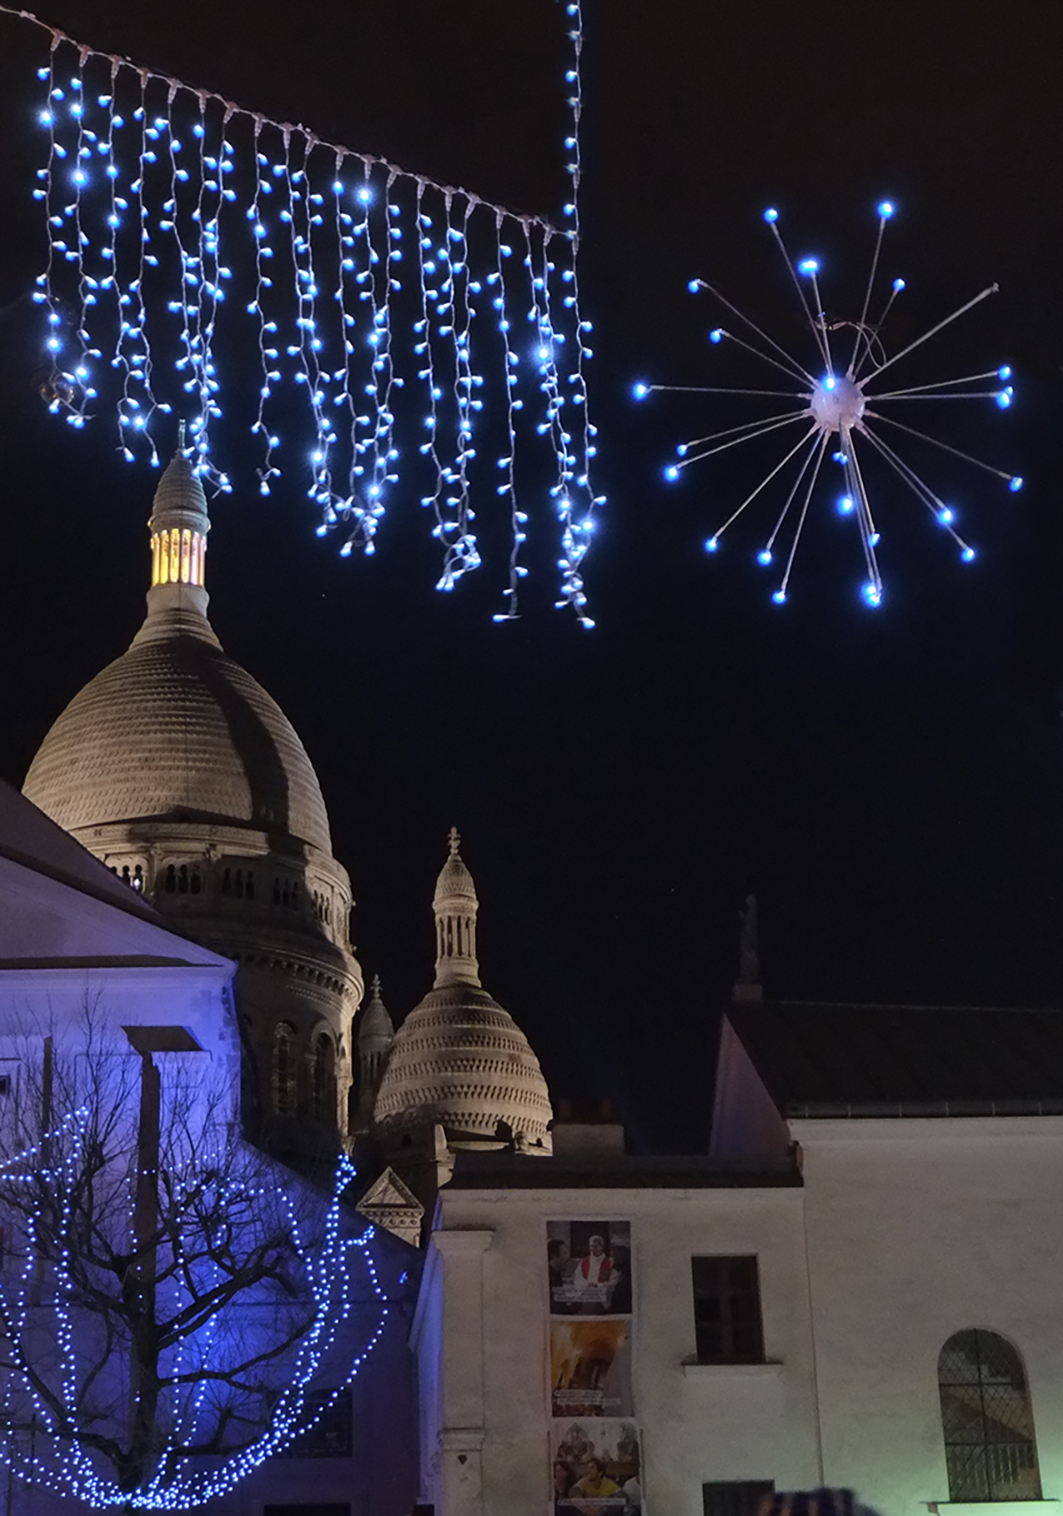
(455, 907)
(374, 1034)
(178, 599)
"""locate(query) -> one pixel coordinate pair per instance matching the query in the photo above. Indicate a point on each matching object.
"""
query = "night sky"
(889, 782)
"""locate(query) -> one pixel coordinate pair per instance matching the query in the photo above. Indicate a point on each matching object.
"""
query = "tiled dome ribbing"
(176, 729)
(461, 1060)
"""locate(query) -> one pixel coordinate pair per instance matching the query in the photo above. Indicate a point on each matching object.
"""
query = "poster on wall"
(590, 1368)
(595, 1452)
(597, 1467)
(589, 1268)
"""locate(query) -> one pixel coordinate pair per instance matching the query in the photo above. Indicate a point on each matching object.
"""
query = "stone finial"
(455, 841)
(748, 988)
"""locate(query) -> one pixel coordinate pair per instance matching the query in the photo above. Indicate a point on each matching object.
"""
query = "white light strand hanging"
(182, 1482)
(832, 404)
(208, 262)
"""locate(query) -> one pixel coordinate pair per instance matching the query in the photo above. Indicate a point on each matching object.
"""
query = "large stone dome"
(177, 730)
(459, 1059)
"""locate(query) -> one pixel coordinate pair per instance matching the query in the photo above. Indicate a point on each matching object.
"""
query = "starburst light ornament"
(842, 404)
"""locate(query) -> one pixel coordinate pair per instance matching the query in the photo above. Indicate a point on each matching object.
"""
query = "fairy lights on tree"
(207, 261)
(843, 401)
(171, 1314)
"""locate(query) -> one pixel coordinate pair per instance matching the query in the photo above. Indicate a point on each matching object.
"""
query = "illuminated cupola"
(177, 599)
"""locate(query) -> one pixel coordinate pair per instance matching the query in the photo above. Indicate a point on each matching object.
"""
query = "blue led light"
(1015, 483)
(968, 555)
(771, 215)
(717, 334)
(764, 556)
(694, 285)
(898, 285)
(885, 209)
(779, 597)
(808, 266)
(872, 594)
(845, 505)
(315, 333)
(946, 516)
(671, 472)
(711, 544)
(1004, 399)
(1004, 373)
(640, 391)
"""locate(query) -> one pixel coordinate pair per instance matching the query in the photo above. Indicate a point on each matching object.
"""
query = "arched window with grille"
(285, 1093)
(987, 1419)
(324, 1080)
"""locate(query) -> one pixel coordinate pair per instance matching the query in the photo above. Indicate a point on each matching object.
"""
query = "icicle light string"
(838, 405)
(175, 216)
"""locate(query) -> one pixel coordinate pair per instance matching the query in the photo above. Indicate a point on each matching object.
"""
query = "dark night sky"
(890, 783)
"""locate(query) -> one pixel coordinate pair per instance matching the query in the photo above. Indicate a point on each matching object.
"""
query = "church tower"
(461, 1073)
(176, 769)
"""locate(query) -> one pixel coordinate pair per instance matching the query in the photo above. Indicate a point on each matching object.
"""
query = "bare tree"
(171, 1302)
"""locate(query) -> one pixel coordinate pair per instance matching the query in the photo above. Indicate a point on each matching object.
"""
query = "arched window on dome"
(186, 556)
(285, 1091)
(175, 555)
(987, 1419)
(324, 1080)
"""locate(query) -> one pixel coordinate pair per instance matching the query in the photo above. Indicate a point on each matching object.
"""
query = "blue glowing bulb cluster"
(206, 1186)
(843, 409)
(175, 218)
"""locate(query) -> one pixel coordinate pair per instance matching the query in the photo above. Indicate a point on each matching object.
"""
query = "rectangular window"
(5, 1084)
(727, 1310)
(736, 1497)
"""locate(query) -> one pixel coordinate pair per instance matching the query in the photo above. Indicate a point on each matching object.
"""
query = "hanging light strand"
(149, 188)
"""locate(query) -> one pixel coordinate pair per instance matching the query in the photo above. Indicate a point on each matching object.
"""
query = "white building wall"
(916, 1230)
(698, 1423)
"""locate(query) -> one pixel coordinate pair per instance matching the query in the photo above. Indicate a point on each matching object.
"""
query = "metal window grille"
(736, 1497)
(987, 1418)
(727, 1320)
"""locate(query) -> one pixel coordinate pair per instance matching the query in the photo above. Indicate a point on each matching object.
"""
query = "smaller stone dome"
(459, 1059)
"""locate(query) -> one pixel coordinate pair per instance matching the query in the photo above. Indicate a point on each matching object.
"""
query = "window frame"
(728, 1322)
(957, 1398)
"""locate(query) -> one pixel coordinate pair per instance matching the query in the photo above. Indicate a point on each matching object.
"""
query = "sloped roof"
(875, 1060)
(60, 907)
(30, 837)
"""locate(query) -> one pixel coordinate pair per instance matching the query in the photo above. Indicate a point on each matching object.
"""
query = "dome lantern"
(455, 905)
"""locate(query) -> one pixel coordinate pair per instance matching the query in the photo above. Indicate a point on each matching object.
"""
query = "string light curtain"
(192, 242)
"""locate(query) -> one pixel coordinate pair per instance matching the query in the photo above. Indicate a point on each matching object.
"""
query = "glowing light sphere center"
(837, 403)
